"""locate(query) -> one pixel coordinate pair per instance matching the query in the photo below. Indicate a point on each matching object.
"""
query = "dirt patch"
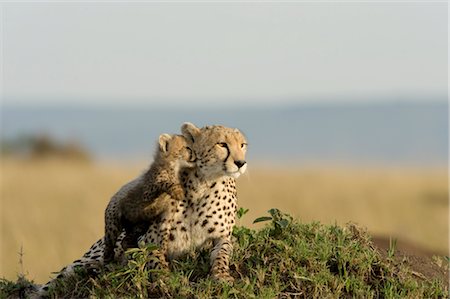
(425, 264)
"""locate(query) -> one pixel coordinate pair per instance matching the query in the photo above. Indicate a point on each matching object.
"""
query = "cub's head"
(219, 150)
(176, 148)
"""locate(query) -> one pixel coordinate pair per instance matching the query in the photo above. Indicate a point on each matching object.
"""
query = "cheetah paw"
(177, 192)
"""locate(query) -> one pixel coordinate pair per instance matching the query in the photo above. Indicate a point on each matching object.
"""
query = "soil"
(425, 264)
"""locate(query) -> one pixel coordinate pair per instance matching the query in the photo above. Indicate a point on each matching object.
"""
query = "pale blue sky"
(233, 53)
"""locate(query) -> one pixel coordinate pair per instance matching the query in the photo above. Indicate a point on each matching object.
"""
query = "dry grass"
(410, 204)
(55, 209)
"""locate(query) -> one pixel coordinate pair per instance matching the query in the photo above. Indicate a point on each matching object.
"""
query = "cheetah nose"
(239, 163)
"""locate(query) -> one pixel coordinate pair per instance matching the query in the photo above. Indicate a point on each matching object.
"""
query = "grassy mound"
(285, 259)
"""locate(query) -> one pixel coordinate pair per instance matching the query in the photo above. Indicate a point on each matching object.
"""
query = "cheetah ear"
(164, 142)
(190, 131)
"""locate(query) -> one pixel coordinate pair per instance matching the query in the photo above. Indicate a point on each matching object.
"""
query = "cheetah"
(134, 211)
(207, 212)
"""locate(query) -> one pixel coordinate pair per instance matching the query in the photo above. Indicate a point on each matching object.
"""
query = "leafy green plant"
(280, 220)
(241, 212)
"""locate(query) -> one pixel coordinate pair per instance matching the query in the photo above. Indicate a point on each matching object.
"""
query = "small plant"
(241, 212)
(280, 221)
(392, 247)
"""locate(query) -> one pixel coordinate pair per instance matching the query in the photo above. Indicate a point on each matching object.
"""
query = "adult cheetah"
(207, 214)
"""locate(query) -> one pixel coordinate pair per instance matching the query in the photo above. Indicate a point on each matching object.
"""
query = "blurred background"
(344, 106)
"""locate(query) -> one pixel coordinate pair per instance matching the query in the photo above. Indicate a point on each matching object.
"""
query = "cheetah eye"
(243, 145)
(222, 144)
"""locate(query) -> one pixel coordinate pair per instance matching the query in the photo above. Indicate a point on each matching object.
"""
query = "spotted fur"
(206, 214)
(141, 204)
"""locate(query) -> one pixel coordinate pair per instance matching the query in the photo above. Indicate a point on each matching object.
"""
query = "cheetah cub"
(160, 185)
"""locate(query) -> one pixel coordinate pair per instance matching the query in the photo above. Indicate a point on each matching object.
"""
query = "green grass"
(285, 259)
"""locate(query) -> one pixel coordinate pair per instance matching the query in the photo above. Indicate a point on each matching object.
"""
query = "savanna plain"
(52, 209)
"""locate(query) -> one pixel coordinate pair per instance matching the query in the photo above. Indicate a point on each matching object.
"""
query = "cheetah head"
(177, 149)
(219, 150)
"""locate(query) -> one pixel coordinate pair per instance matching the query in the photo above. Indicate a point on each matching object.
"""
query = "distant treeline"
(43, 146)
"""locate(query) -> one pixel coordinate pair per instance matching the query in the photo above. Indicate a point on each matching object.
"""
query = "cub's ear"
(190, 131)
(164, 142)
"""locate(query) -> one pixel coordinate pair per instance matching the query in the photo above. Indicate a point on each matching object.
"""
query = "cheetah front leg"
(220, 260)
(113, 228)
(165, 231)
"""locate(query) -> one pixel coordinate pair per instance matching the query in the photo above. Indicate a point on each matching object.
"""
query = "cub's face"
(177, 149)
(219, 150)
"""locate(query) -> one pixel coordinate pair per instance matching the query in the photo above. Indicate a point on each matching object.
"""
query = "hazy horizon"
(224, 103)
(389, 133)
